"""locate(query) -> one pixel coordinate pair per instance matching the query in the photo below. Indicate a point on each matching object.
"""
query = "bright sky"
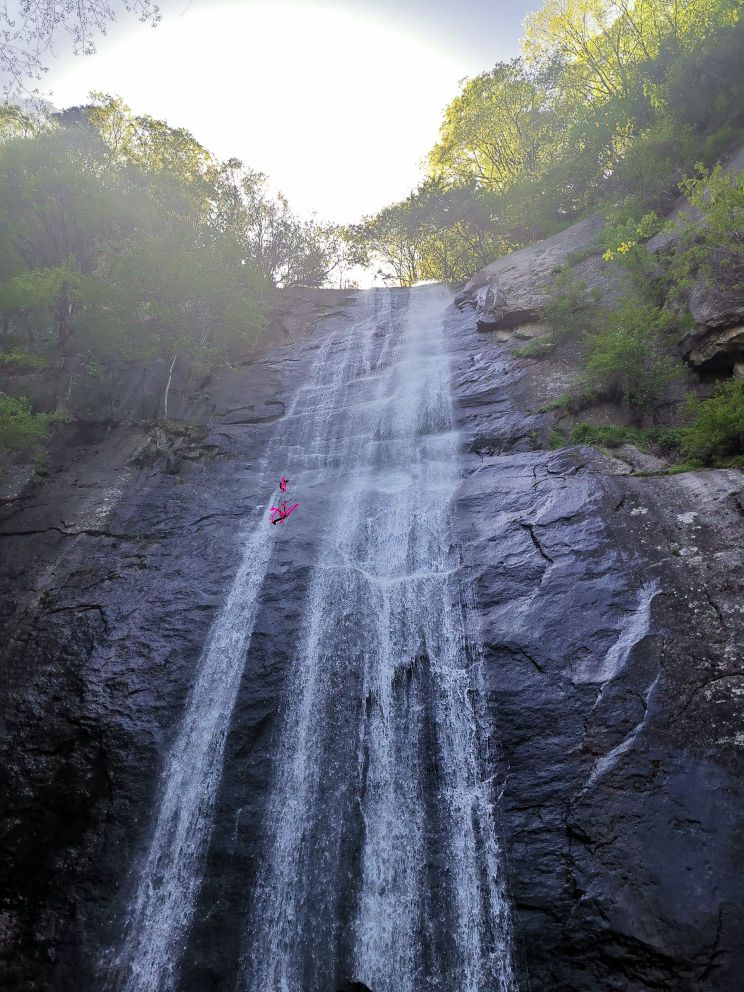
(337, 102)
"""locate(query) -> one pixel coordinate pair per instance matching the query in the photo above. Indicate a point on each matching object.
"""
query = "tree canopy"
(122, 234)
(611, 100)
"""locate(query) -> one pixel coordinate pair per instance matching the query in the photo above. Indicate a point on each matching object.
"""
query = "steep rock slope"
(113, 568)
(610, 614)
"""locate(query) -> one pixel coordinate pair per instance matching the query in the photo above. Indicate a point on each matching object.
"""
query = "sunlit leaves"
(496, 131)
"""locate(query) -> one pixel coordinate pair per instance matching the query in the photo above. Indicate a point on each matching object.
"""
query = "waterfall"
(379, 858)
(381, 863)
(161, 911)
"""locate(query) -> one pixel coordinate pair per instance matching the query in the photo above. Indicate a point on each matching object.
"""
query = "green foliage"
(572, 309)
(496, 131)
(434, 234)
(573, 402)
(556, 440)
(623, 235)
(623, 351)
(610, 103)
(122, 235)
(21, 360)
(627, 360)
(284, 250)
(717, 429)
(607, 436)
(664, 440)
(19, 427)
(624, 238)
(713, 249)
(536, 348)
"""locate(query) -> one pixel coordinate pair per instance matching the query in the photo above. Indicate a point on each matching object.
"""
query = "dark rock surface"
(112, 570)
(613, 629)
(614, 646)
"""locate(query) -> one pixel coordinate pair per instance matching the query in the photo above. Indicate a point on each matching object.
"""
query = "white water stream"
(380, 860)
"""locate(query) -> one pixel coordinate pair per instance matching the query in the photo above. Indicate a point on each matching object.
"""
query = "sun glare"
(337, 108)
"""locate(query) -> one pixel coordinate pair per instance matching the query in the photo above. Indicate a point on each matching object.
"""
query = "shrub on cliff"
(712, 248)
(19, 427)
(572, 309)
(628, 360)
(717, 429)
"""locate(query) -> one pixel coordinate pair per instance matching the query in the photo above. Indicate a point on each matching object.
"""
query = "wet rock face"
(613, 642)
(612, 625)
(112, 571)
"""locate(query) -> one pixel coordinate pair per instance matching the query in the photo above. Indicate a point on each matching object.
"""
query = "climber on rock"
(280, 513)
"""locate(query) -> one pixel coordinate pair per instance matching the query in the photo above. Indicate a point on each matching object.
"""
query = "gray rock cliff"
(613, 631)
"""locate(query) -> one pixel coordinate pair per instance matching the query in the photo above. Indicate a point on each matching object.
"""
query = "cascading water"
(379, 859)
(162, 909)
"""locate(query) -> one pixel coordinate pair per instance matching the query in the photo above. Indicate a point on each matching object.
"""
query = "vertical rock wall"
(611, 614)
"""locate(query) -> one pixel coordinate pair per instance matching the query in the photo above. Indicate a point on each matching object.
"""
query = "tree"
(112, 254)
(150, 146)
(599, 45)
(28, 29)
(438, 233)
(284, 249)
(498, 130)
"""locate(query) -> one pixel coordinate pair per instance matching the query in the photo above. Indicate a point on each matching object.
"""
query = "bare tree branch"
(29, 30)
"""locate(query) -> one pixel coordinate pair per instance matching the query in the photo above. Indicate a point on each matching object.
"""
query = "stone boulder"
(717, 304)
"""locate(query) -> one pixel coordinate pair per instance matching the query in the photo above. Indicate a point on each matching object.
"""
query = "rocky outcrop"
(514, 290)
(714, 305)
(722, 349)
(509, 295)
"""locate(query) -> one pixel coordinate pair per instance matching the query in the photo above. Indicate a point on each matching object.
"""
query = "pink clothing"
(280, 513)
